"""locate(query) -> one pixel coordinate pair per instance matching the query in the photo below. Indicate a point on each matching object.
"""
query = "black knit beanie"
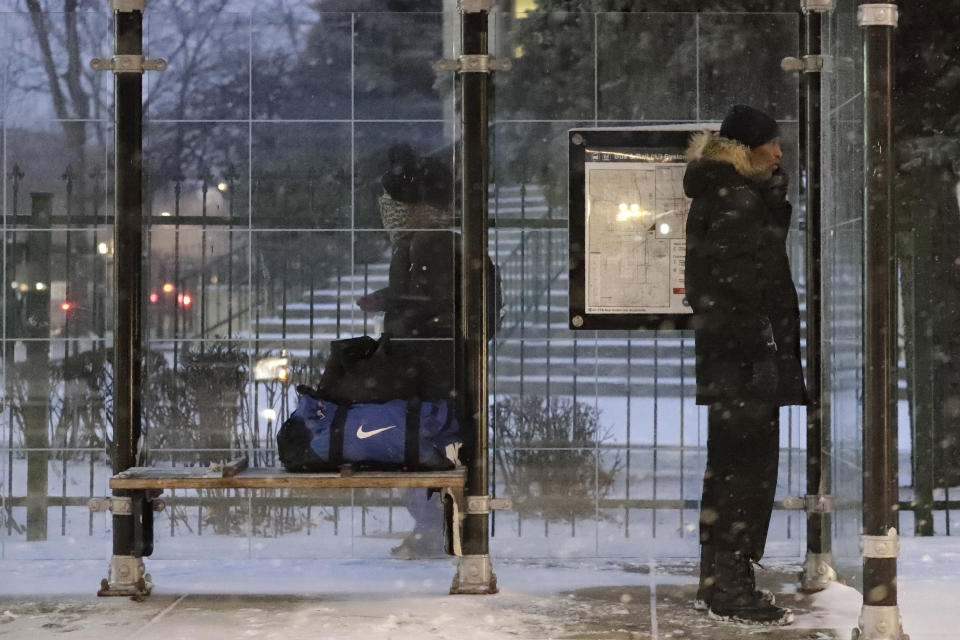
(750, 126)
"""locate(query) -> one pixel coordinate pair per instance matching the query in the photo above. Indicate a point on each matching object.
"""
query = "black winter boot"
(419, 546)
(707, 579)
(705, 588)
(735, 597)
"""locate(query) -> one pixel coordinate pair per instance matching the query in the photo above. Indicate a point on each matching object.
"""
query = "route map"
(636, 214)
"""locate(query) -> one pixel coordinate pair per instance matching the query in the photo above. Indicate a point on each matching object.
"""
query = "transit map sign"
(628, 215)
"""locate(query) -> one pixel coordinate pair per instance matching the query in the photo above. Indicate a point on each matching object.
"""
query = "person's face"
(768, 155)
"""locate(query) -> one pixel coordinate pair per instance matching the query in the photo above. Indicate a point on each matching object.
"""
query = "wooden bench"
(160, 478)
(141, 488)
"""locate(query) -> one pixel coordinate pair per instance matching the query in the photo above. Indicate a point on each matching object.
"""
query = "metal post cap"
(878, 15)
(817, 6)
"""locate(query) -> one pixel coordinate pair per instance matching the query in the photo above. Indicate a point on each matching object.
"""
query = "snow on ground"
(366, 599)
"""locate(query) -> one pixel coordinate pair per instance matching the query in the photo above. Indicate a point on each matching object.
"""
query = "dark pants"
(743, 448)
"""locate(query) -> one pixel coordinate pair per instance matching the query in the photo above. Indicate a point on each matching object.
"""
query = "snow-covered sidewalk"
(397, 600)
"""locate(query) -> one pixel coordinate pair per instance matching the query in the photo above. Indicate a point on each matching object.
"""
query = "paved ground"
(618, 613)
(407, 601)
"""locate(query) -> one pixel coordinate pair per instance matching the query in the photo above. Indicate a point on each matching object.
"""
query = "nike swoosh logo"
(361, 434)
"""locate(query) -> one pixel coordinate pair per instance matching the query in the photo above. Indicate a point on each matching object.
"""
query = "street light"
(272, 368)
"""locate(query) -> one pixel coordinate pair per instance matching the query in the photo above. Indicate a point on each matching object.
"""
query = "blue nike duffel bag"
(397, 435)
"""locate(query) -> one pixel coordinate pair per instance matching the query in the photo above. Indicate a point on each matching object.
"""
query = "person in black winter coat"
(747, 330)
(419, 302)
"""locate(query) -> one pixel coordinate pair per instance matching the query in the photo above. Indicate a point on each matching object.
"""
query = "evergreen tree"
(618, 63)
(927, 131)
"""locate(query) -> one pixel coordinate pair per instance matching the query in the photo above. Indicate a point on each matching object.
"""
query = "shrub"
(547, 454)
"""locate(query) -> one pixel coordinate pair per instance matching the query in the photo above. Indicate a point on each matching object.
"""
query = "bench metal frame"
(142, 487)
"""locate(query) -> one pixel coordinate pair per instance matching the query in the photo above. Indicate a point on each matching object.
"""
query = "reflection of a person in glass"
(419, 301)
(747, 325)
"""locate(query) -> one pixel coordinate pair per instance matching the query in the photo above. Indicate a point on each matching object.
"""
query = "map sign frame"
(627, 221)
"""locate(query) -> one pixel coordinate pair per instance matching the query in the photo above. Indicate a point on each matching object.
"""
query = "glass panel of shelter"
(301, 152)
(598, 66)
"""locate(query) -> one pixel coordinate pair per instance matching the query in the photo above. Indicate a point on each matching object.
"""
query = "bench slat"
(273, 478)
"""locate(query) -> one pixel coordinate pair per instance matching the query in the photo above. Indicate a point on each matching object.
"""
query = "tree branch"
(74, 75)
(39, 22)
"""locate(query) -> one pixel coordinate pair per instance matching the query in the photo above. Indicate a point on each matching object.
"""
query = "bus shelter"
(194, 217)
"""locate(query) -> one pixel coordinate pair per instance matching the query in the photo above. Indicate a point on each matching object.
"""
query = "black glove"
(766, 334)
(774, 190)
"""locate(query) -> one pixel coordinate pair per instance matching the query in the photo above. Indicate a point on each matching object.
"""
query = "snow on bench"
(227, 477)
(236, 475)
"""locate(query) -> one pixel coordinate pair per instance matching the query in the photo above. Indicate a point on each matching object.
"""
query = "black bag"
(495, 304)
(396, 435)
(365, 370)
(369, 409)
(495, 310)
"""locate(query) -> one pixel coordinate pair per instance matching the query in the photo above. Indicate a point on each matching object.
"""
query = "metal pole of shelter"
(132, 515)
(474, 571)
(818, 571)
(128, 245)
(127, 282)
(880, 616)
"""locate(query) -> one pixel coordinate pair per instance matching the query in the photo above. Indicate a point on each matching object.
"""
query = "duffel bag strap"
(411, 449)
(336, 434)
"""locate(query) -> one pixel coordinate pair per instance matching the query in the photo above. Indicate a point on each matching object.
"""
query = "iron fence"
(646, 465)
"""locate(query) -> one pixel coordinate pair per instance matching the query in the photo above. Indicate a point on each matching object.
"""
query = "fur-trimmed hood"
(711, 156)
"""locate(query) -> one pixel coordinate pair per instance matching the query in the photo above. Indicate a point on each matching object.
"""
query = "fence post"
(11, 309)
(12, 317)
(880, 615)
(919, 342)
(37, 370)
